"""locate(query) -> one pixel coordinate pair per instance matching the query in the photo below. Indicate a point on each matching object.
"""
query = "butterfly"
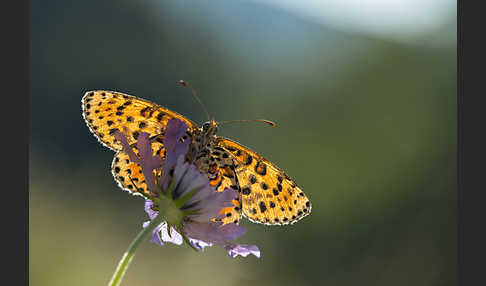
(265, 193)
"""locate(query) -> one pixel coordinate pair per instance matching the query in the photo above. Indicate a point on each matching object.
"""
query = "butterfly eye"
(205, 126)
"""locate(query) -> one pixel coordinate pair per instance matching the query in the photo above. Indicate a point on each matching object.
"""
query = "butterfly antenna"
(271, 123)
(193, 91)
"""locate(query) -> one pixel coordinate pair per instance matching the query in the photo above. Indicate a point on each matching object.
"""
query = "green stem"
(132, 248)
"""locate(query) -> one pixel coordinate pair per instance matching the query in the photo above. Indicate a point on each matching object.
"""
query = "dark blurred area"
(366, 126)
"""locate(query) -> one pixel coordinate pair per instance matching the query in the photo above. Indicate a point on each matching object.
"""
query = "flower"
(174, 148)
(184, 196)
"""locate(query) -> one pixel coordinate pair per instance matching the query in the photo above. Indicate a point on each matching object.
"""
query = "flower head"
(183, 195)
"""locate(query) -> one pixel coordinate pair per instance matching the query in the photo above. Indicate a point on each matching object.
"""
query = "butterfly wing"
(108, 111)
(267, 194)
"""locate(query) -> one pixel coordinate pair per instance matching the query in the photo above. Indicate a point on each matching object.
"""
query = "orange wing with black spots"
(107, 111)
(267, 194)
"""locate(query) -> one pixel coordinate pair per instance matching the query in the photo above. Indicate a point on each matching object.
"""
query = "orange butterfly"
(266, 194)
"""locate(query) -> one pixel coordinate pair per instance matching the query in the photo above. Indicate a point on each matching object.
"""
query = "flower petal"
(146, 152)
(148, 162)
(148, 209)
(211, 205)
(213, 232)
(199, 244)
(174, 237)
(174, 147)
(242, 249)
(121, 137)
(188, 178)
(155, 234)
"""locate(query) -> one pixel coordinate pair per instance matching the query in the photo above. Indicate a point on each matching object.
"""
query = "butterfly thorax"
(204, 137)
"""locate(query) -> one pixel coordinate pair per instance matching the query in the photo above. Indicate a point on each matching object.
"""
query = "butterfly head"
(210, 128)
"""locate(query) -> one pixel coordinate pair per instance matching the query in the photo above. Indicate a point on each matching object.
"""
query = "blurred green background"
(366, 125)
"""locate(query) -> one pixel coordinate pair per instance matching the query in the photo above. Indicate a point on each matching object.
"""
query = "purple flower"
(203, 206)
(190, 191)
